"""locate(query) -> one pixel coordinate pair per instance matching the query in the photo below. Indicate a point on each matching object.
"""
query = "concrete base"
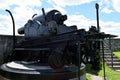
(18, 70)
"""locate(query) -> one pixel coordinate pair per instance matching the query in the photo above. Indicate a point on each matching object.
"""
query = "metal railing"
(108, 45)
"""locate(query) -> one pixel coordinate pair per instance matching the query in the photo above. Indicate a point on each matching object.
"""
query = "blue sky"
(80, 12)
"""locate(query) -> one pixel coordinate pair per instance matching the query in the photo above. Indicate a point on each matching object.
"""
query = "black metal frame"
(13, 22)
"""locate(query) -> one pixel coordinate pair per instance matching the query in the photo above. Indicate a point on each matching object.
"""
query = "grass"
(88, 77)
(117, 54)
(110, 73)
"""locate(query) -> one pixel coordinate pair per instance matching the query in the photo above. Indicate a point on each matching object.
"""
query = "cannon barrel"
(21, 30)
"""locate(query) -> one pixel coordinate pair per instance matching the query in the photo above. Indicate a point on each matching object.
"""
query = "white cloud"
(62, 10)
(107, 10)
(5, 24)
(69, 2)
(108, 4)
(109, 27)
(80, 20)
(22, 10)
(6, 4)
(116, 5)
(105, 6)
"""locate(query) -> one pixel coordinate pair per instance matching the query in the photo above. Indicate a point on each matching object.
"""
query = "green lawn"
(88, 77)
(117, 53)
(110, 73)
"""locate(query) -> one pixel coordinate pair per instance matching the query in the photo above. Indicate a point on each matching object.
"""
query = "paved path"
(94, 77)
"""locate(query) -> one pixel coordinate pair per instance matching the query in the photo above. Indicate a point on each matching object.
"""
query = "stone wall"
(116, 43)
(6, 45)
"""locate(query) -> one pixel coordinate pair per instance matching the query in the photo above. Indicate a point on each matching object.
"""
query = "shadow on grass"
(91, 70)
